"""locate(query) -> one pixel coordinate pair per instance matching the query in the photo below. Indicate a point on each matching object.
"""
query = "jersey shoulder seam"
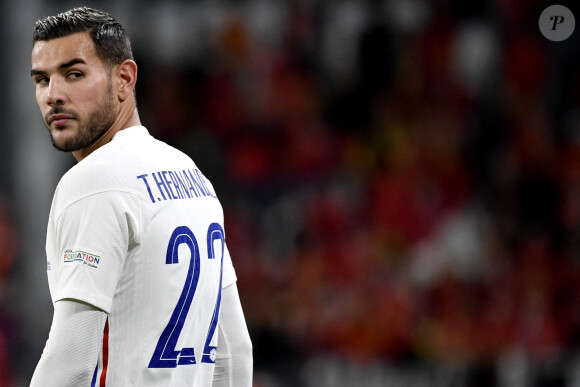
(61, 211)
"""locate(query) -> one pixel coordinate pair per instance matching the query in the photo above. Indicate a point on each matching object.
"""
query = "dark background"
(400, 181)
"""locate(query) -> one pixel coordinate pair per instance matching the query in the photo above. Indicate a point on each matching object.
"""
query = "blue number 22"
(166, 355)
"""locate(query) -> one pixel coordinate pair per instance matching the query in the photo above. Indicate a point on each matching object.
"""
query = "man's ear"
(126, 79)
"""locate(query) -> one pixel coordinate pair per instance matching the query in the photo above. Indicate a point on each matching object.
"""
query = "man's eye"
(40, 80)
(74, 75)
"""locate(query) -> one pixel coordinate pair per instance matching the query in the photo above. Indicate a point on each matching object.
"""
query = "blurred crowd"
(400, 181)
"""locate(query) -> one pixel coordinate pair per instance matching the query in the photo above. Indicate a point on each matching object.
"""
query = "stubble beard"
(99, 121)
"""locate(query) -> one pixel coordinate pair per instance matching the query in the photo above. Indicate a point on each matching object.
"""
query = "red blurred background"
(400, 180)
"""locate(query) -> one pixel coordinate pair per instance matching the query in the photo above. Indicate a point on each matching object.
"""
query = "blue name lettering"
(175, 185)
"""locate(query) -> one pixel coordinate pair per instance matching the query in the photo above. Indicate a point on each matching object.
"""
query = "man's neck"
(120, 124)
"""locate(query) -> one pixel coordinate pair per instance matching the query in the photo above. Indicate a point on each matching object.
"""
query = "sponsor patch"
(81, 257)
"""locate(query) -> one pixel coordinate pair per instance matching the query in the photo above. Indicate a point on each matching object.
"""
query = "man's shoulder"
(101, 172)
(85, 181)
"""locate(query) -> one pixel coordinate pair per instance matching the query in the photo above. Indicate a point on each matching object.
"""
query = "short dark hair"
(112, 44)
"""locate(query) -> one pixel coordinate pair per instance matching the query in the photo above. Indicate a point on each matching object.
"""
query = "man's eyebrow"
(62, 66)
(71, 62)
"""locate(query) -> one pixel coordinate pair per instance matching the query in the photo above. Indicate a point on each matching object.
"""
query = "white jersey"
(136, 230)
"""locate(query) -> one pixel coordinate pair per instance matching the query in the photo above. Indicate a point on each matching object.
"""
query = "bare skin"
(83, 103)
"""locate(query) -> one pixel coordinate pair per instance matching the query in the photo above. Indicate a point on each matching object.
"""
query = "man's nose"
(55, 94)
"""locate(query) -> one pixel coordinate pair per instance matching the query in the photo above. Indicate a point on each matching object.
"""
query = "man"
(139, 273)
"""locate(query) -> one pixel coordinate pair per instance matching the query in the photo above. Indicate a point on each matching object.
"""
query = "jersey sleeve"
(91, 241)
(67, 344)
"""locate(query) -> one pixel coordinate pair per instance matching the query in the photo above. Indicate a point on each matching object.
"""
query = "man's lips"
(59, 119)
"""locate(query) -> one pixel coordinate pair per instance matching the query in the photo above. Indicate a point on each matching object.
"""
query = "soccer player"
(140, 276)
